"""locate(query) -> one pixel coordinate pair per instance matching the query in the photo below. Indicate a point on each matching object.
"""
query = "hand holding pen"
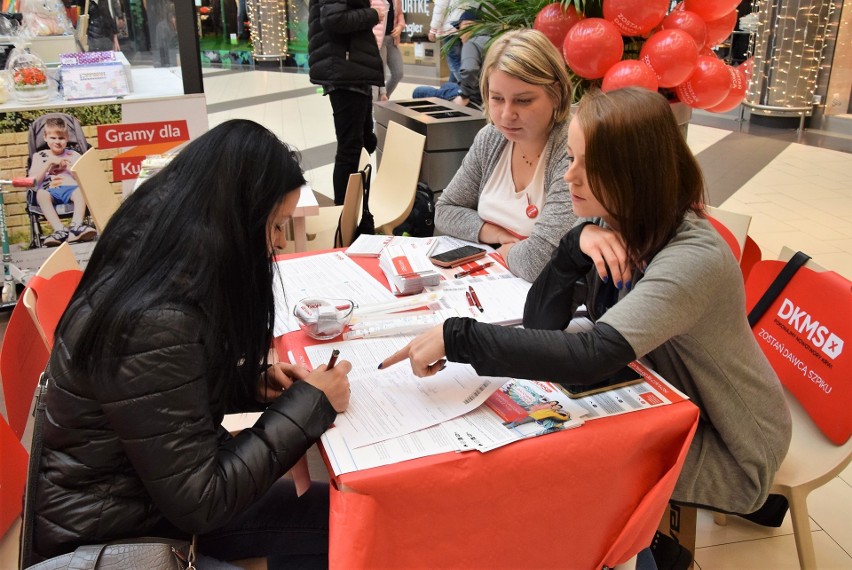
(333, 381)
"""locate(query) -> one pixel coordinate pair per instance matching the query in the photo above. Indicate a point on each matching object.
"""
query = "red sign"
(804, 335)
(138, 134)
(126, 167)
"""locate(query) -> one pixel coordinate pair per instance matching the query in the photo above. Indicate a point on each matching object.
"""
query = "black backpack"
(421, 221)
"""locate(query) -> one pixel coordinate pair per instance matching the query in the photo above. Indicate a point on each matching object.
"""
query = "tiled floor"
(799, 196)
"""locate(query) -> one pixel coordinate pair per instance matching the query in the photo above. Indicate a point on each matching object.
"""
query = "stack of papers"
(408, 269)
(368, 245)
(518, 410)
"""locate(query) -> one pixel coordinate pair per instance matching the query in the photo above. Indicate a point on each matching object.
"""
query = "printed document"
(389, 403)
(518, 410)
(502, 297)
(328, 276)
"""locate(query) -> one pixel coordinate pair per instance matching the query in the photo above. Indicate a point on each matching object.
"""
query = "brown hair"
(529, 56)
(639, 166)
(56, 123)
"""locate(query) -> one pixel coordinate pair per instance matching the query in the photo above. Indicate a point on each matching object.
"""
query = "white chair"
(813, 459)
(395, 183)
(323, 227)
(736, 224)
(94, 183)
(320, 229)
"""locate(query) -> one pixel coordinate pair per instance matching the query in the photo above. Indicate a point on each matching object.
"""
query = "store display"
(93, 74)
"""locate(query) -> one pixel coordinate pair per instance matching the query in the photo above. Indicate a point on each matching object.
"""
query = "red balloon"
(747, 67)
(671, 55)
(554, 22)
(708, 85)
(721, 28)
(707, 51)
(635, 17)
(689, 22)
(735, 95)
(710, 9)
(629, 73)
(591, 47)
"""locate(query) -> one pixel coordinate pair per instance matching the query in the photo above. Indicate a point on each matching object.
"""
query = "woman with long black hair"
(168, 330)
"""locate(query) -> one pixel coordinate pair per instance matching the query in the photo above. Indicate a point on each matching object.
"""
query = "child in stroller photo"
(57, 141)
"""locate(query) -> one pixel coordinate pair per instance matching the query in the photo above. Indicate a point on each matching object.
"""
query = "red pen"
(473, 269)
(469, 299)
(475, 299)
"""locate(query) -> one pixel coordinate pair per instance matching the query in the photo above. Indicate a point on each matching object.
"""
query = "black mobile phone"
(624, 377)
(458, 256)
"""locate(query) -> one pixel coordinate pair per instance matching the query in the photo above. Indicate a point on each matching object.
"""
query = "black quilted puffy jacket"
(144, 450)
(342, 49)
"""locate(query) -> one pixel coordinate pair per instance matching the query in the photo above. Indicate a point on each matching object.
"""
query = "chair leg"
(798, 499)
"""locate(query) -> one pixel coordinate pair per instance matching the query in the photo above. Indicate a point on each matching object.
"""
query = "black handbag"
(367, 224)
(159, 553)
(142, 553)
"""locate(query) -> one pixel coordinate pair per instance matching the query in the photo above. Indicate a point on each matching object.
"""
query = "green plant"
(497, 17)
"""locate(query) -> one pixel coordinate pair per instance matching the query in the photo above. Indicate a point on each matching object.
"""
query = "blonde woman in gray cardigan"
(509, 191)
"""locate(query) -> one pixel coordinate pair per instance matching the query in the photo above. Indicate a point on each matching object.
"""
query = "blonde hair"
(529, 56)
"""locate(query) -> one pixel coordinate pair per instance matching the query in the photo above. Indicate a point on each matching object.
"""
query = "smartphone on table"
(458, 256)
(624, 377)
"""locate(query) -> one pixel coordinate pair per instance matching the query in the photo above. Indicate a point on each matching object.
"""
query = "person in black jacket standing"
(170, 329)
(344, 59)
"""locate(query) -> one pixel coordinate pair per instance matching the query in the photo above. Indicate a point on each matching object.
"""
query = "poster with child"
(50, 169)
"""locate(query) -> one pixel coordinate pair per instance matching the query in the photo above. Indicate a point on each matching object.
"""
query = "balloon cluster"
(676, 51)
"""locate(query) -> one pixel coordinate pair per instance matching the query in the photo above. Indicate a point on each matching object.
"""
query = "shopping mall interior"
(791, 178)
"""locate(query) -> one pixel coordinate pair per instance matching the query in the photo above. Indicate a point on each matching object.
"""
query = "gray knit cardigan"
(456, 211)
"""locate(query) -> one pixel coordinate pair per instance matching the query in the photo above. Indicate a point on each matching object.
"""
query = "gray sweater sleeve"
(456, 211)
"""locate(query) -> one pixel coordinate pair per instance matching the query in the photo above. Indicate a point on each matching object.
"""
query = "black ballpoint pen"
(331, 361)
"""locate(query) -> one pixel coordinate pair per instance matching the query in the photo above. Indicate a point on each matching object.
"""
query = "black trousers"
(353, 125)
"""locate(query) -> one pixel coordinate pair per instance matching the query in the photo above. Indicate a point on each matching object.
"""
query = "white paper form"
(394, 402)
(329, 276)
(502, 297)
(344, 459)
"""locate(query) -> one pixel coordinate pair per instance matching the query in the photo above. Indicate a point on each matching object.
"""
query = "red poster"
(804, 335)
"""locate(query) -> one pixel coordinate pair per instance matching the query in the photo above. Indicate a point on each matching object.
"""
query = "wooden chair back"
(395, 183)
(97, 190)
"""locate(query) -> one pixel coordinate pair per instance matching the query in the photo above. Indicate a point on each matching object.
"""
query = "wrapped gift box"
(94, 74)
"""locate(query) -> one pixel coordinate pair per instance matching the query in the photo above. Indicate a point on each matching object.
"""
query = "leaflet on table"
(501, 296)
(502, 420)
(651, 393)
(328, 275)
(499, 422)
(368, 245)
(393, 402)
